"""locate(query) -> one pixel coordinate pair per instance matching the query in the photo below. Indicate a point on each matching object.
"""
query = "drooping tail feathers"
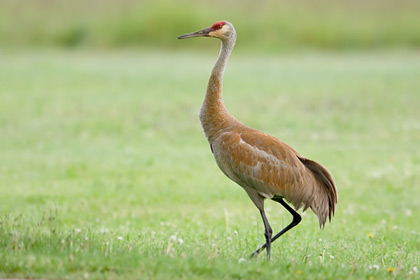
(326, 196)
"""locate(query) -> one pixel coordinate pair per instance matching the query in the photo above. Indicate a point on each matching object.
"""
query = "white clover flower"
(119, 237)
(242, 260)
(375, 266)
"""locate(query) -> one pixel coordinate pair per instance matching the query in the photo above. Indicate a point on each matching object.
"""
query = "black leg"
(296, 220)
(267, 233)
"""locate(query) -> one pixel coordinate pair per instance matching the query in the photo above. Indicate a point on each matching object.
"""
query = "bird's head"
(221, 29)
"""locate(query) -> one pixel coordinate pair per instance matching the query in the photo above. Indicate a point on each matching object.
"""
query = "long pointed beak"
(201, 33)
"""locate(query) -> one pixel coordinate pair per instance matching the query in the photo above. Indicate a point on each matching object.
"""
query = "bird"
(264, 166)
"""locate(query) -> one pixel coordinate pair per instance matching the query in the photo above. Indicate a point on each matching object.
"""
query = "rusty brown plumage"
(264, 166)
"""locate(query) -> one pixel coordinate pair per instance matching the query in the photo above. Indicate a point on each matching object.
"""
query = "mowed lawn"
(105, 172)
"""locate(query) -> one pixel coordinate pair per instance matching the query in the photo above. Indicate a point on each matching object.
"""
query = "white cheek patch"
(223, 30)
(220, 32)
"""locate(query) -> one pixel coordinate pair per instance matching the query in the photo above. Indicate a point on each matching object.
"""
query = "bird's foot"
(256, 253)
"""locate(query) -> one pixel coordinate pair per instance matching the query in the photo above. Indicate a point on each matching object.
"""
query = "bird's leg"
(267, 233)
(296, 220)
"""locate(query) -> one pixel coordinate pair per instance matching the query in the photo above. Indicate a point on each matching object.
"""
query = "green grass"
(105, 173)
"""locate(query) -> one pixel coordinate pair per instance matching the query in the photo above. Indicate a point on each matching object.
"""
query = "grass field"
(105, 172)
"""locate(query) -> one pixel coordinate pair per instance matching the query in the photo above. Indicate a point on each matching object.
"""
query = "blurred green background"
(267, 25)
(105, 172)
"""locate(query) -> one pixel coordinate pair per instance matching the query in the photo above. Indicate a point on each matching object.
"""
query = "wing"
(263, 163)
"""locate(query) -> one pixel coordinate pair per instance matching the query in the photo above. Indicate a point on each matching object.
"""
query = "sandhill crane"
(263, 165)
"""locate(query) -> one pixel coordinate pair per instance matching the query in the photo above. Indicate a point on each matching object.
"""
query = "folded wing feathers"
(270, 167)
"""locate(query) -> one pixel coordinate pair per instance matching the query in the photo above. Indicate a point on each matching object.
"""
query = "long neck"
(214, 115)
